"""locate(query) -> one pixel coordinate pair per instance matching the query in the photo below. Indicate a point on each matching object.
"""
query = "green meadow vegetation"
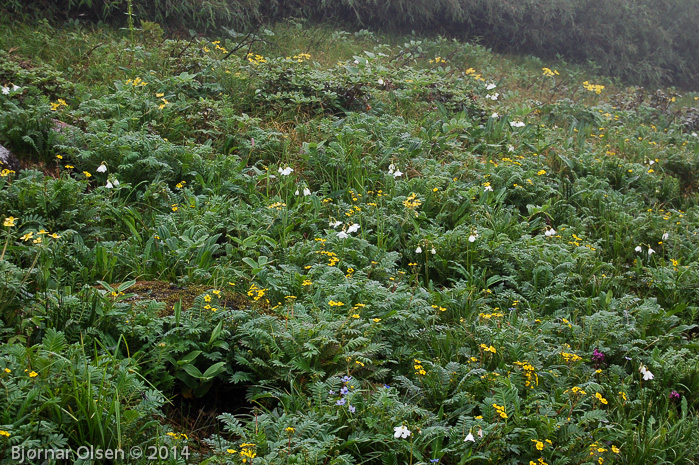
(302, 245)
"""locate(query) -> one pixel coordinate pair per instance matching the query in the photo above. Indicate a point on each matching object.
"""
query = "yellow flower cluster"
(9, 221)
(255, 59)
(438, 60)
(138, 82)
(4, 433)
(301, 57)
(180, 184)
(576, 391)
(5, 173)
(58, 104)
(596, 88)
(441, 309)
(247, 452)
(332, 257)
(568, 357)
(501, 411)
(217, 46)
(256, 292)
(550, 73)
(412, 202)
(277, 205)
(538, 462)
(540, 444)
(601, 398)
(488, 348)
(177, 436)
(332, 303)
(419, 369)
(488, 316)
(530, 374)
(37, 240)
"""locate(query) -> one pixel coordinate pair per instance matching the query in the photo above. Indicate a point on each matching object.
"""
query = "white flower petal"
(342, 235)
(638, 248)
(109, 185)
(306, 191)
(418, 250)
(470, 438)
(102, 168)
(397, 173)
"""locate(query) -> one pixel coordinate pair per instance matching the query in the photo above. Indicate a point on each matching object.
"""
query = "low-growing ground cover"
(310, 246)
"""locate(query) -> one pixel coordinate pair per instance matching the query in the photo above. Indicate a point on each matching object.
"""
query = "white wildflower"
(397, 173)
(470, 438)
(517, 124)
(342, 235)
(109, 185)
(647, 375)
(638, 249)
(495, 115)
(5, 90)
(488, 189)
(493, 97)
(306, 191)
(102, 168)
(286, 171)
(490, 86)
(665, 236)
(651, 252)
(297, 192)
(401, 432)
(472, 237)
(510, 148)
(434, 251)
(335, 224)
(381, 82)
(418, 250)
(354, 228)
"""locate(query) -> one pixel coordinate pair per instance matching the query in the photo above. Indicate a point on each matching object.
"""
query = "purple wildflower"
(344, 390)
(346, 379)
(674, 395)
(598, 358)
(352, 408)
(341, 401)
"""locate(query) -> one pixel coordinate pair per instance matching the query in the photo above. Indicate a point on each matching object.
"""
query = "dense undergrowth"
(650, 42)
(343, 252)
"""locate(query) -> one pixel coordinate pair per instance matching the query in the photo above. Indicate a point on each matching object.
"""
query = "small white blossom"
(335, 224)
(434, 251)
(517, 124)
(550, 232)
(510, 148)
(297, 192)
(665, 236)
(694, 134)
(493, 97)
(651, 252)
(647, 375)
(286, 171)
(490, 86)
(380, 81)
(470, 438)
(306, 191)
(109, 185)
(418, 250)
(397, 173)
(15, 88)
(354, 228)
(116, 182)
(391, 168)
(401, 431)
(638, 249)
(472, 237)
(342, 235)
(102, 168)
(488, 189)
(5, 90)
(651, 162)
(495, 115)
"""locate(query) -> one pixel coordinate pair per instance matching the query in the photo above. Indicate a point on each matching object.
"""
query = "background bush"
(644, 41)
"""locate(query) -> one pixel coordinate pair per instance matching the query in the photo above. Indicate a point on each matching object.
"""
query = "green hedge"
(639, 41)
